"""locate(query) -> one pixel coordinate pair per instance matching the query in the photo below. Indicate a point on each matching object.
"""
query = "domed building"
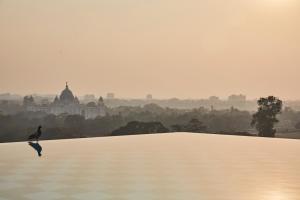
(67, 103)
(67, 95)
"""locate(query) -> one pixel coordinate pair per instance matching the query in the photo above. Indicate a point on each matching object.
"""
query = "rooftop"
(159, 166)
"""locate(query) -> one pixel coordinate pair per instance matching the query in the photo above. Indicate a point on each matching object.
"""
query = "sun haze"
(169, 48)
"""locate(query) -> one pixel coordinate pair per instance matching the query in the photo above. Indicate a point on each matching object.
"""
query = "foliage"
(194, 126)
(17, 127)
(265, 118)
(135, 127)
(297, 126)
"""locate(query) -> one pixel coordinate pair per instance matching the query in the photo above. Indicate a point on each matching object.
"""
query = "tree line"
(151, 118)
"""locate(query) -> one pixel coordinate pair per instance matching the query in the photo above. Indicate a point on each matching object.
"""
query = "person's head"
(40, 127)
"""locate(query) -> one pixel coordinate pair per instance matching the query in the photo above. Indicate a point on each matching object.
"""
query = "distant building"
(29, 104)
(9, 97)
(67, 103)
(237, 98)
(149, 97)
(110, 96)
(214, 98)
(89, 98)
(45, 101)
(93, 110)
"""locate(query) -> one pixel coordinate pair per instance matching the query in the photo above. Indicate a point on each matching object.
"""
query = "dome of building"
(67, 95)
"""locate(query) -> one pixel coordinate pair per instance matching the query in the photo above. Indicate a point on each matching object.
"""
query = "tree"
(265, 118)
(50, 121)
(136, 127)
(74, 121)
(193, 126)
(75, 124)
(297, 126)
(176, 128)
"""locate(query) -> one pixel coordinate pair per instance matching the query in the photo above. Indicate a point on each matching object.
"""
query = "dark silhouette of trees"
(74, 121)
(265, 118)
(297, 126)
(51, 121)
(193, 126)
(135, 127)
(176, 128)
(75, 124)
(18, 126)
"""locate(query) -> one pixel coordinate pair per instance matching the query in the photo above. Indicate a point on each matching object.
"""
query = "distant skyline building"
(89, 97)
(237, 98)
(110, 95)
(214, 98)
(149, 97)
(67, 103)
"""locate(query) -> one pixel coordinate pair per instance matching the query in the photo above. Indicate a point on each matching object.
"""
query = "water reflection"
(36, 146)
(276, 195)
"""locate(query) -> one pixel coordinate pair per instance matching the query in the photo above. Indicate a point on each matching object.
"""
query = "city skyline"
(141, 96)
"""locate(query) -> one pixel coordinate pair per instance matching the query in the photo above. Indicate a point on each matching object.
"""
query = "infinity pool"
(161, 166)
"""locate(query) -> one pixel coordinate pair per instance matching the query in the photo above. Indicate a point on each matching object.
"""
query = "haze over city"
(150, 99)
(190, 49)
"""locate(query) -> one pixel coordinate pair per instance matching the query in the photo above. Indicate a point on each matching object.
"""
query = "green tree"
(265, 118)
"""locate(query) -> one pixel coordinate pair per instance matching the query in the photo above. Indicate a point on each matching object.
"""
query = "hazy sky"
(169, 48)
